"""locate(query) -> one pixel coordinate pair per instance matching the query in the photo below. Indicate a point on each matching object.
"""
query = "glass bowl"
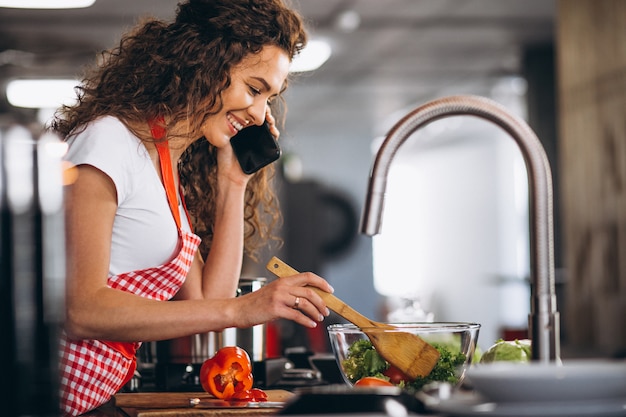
(356, 358)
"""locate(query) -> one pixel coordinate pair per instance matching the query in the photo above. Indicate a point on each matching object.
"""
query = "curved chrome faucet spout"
(543, 318)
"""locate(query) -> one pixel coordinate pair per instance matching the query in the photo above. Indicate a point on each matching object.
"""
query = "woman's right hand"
(288, 298)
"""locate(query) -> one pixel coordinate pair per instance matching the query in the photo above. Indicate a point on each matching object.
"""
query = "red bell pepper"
(251, 395)
(228, 372)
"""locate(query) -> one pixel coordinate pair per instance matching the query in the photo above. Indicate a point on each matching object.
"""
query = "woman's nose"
(257, 112)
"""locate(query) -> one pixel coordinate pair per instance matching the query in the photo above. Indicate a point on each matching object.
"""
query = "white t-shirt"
(144, 230)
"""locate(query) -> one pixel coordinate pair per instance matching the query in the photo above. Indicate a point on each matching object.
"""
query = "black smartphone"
(255, 147)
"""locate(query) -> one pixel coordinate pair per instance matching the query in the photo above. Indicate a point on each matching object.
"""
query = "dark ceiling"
(402, 52)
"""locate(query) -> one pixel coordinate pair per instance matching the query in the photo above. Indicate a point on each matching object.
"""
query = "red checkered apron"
(92, 371)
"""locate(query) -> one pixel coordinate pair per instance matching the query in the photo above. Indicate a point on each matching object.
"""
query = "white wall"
(456, 214)
(453, 230)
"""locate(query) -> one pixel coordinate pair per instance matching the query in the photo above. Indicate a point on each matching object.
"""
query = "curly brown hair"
(178, 70)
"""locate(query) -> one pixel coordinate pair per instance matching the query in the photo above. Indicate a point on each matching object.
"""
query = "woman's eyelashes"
(254, 91)
(258, 91)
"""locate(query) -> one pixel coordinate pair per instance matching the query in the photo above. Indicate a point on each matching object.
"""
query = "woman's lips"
(235, 124)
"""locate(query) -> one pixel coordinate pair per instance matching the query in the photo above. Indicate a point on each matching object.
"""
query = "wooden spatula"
(407, 352)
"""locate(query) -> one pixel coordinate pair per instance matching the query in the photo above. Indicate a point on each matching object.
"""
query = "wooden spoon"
(407, 352)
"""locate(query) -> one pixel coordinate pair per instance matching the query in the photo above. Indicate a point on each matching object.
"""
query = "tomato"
(371, 381)
(252, 395)
(228, 372)
(395, 375)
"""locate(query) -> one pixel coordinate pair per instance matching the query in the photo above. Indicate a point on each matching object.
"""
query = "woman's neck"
(177, 140)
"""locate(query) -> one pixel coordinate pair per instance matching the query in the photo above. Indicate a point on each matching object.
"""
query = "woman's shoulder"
(108, 123)
(106, 128)
(107, 144)
(105, 136)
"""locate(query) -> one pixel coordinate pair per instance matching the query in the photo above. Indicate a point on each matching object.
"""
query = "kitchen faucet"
(543, 319)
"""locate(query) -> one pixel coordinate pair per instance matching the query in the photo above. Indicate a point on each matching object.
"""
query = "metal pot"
(197, 348)
(252, 339)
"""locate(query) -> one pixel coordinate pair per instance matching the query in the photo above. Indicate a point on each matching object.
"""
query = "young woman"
(150, 141)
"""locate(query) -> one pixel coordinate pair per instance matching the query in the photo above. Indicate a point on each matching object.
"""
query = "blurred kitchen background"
(454, 245)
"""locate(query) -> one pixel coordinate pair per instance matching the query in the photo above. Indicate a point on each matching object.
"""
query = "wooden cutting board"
(160, 404)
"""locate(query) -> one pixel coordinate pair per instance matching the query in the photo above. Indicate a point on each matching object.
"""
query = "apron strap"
(167, 172)
(168, 179)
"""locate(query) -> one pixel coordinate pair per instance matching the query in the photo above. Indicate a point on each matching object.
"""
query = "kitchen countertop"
(170, 404)
(338, 400)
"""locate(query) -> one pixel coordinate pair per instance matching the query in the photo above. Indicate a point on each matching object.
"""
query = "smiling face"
(255, 81)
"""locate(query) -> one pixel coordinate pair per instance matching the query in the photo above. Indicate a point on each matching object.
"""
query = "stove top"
(275, 373)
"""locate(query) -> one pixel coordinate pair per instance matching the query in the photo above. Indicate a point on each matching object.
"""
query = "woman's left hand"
(271, 120)
(227, 161)
(228, 166)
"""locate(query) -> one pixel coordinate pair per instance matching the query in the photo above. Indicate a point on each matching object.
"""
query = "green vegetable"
(363, 360)
(445, 368)
(508, 351)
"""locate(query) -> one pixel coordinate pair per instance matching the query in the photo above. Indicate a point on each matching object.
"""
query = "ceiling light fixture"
(348, 21)
(46, 4)
(41, 93)
(311, 57)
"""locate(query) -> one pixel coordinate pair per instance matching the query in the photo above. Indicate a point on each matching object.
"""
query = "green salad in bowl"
(361, 364)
